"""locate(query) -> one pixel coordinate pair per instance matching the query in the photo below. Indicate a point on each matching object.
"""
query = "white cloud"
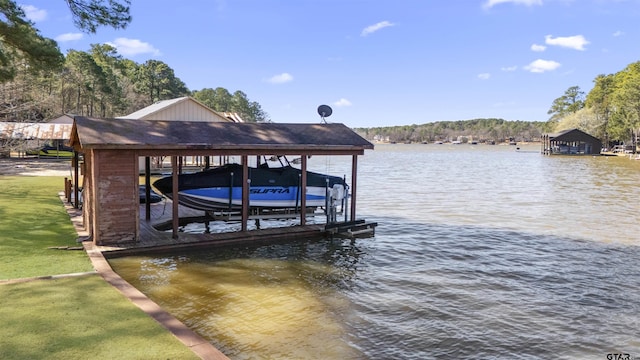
(68, 37)
(342, 103)
(540, 66)
(576, 42)
(280, 78)
(509, 68)
(375, 27)
(33, 13)
(491, 3)
(618, 33)
(484, 76)
(538, 48)
(133, 47)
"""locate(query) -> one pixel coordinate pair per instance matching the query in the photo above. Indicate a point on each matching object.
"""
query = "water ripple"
(478, 254)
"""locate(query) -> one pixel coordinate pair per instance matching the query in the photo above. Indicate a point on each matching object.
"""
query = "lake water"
(480, 252)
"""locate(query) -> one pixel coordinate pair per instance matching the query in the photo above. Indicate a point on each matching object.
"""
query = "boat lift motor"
(334, 196)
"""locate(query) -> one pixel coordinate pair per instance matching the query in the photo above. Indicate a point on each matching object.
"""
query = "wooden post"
(246, 183)
(174, 191)
(70, 189)
(67, 190)
(354, 175)
(147, 185)
(76, 190)
(303, 191)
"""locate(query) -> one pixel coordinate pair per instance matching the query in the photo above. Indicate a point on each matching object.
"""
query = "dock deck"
(152, 240)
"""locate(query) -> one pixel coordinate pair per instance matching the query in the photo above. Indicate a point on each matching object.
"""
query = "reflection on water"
(480, 252)
(257, 300)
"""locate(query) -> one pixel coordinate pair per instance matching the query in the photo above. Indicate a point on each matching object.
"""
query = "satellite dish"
(324, 111)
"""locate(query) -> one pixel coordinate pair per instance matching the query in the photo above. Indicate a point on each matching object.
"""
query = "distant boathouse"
(571, 142)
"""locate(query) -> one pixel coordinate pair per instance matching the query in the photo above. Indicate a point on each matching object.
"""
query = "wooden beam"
(246, 183)
(147, 185)
(76, 182)
(186, 151)
(174, 191)
(303, 191)
(354, 176)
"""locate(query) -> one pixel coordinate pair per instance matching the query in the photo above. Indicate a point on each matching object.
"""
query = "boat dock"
(153, 240)
(356, 228)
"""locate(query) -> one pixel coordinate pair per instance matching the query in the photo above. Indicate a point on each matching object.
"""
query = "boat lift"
(336, 201)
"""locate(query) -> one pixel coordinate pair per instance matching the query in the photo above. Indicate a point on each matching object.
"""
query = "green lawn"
(79, 317)
(32, 219)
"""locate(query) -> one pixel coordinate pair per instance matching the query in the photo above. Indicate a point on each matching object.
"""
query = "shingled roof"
(572, 135)
(98, 133)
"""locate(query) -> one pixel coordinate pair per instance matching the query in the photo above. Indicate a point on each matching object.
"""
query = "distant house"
(35, 131)
(22, 137)
(571, 142)
(183, 109)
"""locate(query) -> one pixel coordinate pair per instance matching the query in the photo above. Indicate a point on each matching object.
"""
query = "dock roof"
(157, 135)
(572, 135)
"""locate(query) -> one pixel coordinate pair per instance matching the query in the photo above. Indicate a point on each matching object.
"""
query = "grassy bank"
(79, 317)
(32, 219)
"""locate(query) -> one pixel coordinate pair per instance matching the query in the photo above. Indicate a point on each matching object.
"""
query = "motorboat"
(220, 188)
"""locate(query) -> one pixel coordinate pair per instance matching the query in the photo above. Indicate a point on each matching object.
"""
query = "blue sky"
(375, 62)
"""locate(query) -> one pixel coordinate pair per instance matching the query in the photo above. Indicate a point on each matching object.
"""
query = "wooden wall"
(114, 182)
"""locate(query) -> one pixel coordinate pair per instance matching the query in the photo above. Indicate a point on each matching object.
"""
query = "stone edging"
(195, 342)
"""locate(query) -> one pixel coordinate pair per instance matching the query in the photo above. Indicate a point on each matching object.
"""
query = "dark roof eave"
(200, 149)
(569, 135)
(224, 147)
(157, 135)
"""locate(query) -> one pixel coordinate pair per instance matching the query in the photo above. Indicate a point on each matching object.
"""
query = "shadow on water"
(415, 290)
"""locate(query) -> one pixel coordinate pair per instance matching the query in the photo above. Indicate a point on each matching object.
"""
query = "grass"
(32, 219)
(79, 317)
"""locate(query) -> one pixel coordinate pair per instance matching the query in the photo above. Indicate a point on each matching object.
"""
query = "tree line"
(481, 130)
(610, 111)
(37, 82)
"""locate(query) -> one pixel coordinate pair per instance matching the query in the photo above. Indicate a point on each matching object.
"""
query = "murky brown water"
(480, 252)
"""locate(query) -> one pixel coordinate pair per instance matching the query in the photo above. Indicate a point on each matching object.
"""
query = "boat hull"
(270, 188)
(259, 197)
